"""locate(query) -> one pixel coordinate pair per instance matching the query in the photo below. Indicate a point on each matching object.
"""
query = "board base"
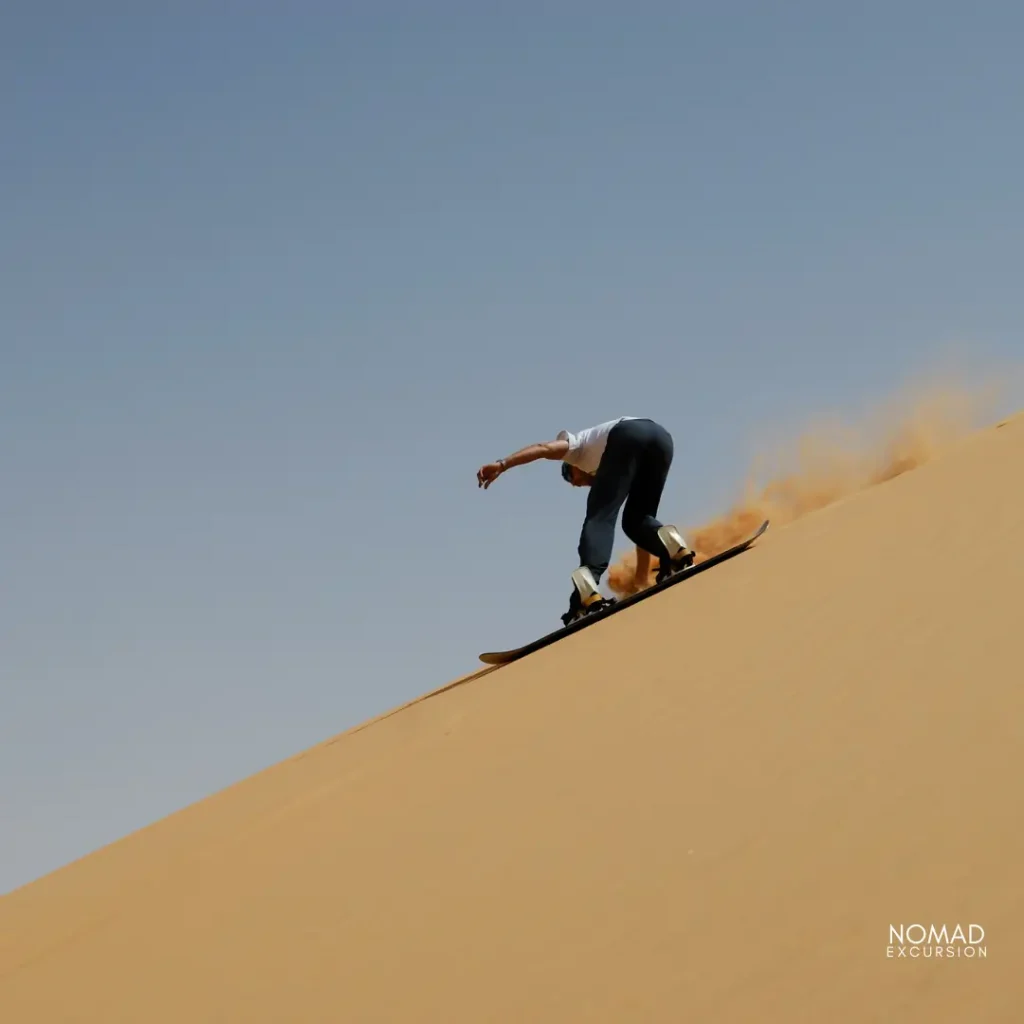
(504, 657)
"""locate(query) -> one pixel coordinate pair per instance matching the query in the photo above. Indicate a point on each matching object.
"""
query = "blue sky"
(276, 280)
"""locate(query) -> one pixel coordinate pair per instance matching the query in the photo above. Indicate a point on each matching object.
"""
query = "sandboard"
(503, 657)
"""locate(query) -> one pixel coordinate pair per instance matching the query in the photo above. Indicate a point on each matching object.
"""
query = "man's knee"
(637, 525)
(632, 523)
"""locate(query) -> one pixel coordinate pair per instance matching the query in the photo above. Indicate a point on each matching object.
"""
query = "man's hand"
(637, 582)
(642, 574)
(486, 475)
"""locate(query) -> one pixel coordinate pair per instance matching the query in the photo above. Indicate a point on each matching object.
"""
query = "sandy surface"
(710, 807)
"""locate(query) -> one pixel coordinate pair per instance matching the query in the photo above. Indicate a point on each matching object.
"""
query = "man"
(622, 461)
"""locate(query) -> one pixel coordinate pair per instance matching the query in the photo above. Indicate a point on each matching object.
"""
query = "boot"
(585, 598)
(680, 556)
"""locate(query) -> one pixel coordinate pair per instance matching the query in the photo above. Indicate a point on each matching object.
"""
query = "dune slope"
(710, 807)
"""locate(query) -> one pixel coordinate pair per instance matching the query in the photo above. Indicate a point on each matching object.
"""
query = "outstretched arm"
(487, 474)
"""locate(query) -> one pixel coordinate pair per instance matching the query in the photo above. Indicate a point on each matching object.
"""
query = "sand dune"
(711, 807)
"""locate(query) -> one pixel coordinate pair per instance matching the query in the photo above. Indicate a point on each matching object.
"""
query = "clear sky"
(275, 280)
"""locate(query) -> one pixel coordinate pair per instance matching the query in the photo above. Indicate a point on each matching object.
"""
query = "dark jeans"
(633, 470)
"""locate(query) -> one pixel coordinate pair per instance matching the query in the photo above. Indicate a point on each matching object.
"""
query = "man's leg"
(607, 493)
(611, 485)
(640, 517)
(640, 521)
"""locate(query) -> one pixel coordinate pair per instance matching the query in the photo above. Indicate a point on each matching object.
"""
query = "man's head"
(575, 476)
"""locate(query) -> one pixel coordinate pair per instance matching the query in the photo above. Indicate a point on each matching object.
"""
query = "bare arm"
(487, 474)
(532, 452)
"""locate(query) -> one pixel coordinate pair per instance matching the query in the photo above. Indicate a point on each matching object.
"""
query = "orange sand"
(830, 461)
(710, 807)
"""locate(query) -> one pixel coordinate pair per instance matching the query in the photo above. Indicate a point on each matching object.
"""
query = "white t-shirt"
(587, 447)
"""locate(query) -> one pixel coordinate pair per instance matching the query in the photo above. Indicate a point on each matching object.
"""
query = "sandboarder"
(622, 461)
